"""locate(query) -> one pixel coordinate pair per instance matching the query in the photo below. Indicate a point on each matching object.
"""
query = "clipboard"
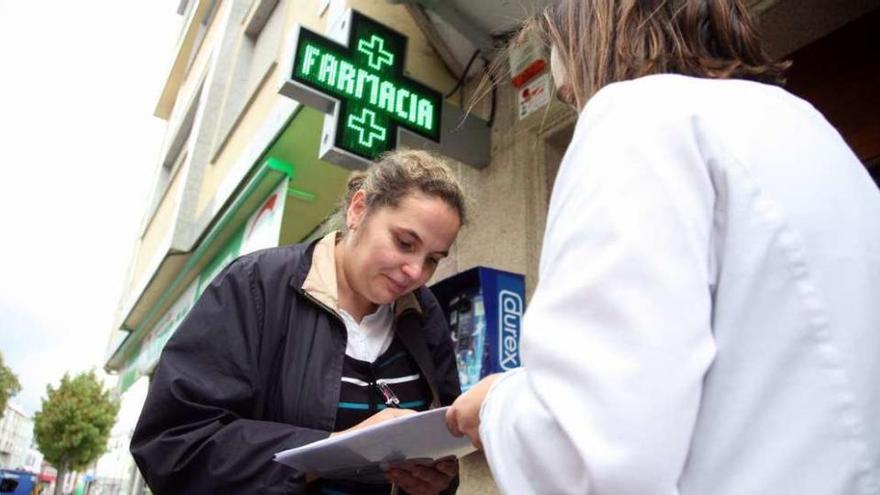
(365, 454)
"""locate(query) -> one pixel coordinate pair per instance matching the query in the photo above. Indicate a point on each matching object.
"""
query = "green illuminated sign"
(366, 77)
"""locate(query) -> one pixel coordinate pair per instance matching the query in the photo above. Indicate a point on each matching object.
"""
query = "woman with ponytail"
(706, 319)
(297, 343)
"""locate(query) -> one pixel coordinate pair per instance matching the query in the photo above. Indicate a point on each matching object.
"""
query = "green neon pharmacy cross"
(367, 131)
(375, 52)
(366, 77)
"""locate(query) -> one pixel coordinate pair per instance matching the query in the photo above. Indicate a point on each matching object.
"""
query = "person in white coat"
(706, 319)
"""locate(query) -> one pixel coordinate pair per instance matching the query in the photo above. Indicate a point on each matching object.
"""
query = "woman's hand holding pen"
(380, 417)
(463, 417)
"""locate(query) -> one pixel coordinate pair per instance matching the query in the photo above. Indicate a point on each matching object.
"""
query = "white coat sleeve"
(617, 337)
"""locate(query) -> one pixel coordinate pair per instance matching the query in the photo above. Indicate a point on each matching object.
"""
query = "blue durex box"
(484, 308)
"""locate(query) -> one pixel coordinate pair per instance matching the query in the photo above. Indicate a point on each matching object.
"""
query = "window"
(204, 24)
(255, 58)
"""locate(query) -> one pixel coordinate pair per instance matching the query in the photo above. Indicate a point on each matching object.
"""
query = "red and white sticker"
(533, 96)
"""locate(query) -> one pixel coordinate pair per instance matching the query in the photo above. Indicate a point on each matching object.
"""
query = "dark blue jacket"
(254, 369)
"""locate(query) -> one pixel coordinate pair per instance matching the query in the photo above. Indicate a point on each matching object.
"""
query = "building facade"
(16, 438)
(240, 170)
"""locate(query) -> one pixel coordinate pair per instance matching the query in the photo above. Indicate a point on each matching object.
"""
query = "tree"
(9, 385)
(74, 423)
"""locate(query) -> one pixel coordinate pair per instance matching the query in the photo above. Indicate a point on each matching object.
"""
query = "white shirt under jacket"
(707, 319)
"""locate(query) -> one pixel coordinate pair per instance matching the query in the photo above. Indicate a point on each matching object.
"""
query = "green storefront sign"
(366, 78)
(261, 230)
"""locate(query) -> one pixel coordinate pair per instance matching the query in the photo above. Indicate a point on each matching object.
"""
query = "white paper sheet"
(420, 438)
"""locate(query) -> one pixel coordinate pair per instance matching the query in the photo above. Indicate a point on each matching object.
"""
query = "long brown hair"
(604, 41)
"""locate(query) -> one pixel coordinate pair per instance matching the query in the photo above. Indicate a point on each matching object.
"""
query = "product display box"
(484, 308)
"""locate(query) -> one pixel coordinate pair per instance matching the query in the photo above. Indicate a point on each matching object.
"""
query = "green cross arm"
(376, 52)
(368, 133)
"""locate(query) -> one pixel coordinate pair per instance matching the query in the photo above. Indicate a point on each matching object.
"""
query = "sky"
(79, 148)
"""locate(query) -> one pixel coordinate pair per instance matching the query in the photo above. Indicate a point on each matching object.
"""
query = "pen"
(391, 400)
